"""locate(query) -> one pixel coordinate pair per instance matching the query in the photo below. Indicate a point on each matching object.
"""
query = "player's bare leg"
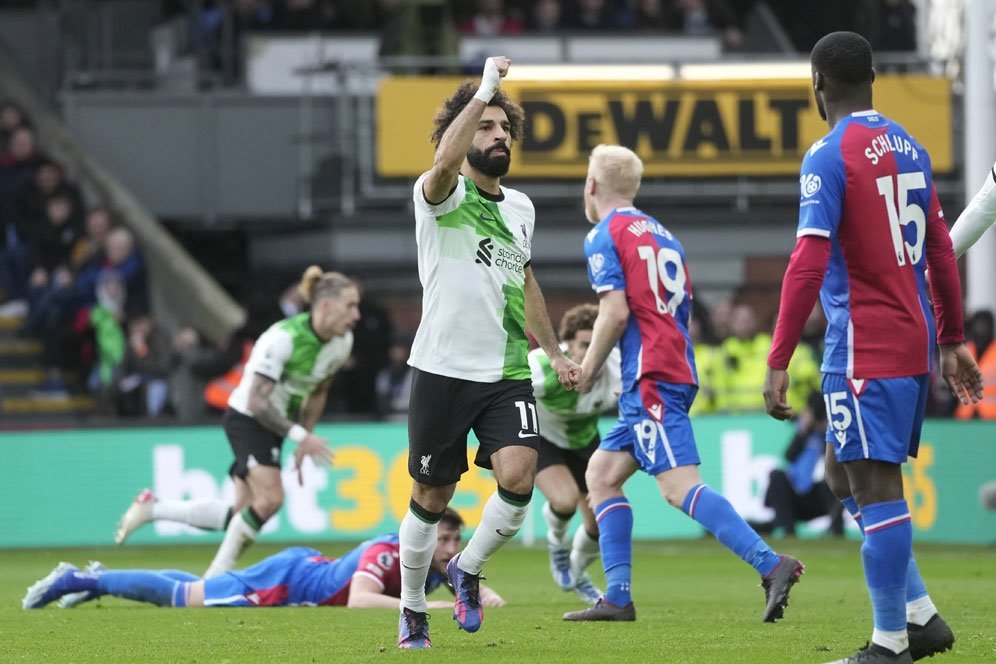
(607, 472)
(265, 487)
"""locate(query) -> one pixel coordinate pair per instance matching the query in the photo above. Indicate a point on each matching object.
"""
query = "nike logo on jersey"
(816, 146)
(523, 434)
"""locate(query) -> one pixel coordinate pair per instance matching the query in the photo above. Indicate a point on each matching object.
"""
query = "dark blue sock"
(851, 505)
(718, 516)
(615, 539)
(886, 554)
(179, 575)
(141, 586)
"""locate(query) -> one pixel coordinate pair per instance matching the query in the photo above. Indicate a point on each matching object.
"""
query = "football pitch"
(695, 603)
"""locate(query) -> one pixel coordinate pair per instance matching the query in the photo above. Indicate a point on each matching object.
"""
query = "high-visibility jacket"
(705, 366)
(985, 409)
(739, 374)
(217, 391)
(740, 368)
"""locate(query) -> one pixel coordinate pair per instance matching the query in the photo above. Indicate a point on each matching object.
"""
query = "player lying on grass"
(367, 576)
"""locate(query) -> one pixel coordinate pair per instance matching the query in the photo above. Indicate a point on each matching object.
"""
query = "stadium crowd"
(889, 24)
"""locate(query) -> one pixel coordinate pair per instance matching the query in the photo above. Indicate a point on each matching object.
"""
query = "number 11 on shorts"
(527, 413)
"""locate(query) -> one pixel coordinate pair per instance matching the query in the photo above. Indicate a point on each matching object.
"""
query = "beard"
(488, 163)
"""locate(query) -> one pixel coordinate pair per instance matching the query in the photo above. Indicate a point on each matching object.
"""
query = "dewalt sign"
(690, 128)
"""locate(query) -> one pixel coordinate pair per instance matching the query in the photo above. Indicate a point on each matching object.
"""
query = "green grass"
(695, 603)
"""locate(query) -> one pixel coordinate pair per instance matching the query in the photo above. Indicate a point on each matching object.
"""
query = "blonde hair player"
(281, 395)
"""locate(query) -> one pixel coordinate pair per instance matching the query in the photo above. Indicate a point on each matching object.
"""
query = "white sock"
(583, 552)
(417, 540)
(894, 641)
(204, 514)
(500, 521)
(920, 610)
(556, 527)
(239, 535)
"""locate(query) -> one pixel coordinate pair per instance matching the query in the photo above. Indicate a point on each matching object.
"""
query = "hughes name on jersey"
(632, 252)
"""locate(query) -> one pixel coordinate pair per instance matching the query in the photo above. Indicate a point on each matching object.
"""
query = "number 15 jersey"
(632, 252)
(867, 187)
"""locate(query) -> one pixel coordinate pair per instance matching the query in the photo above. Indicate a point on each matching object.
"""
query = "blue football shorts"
(267, 583)
(874, 418)
(653, 426)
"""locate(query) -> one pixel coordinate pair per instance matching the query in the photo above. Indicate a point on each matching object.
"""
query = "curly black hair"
(459, 100)
(845, 57)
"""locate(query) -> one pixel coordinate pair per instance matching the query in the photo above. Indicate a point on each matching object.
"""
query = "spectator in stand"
(121, 255)
(652, 16)
(896, 26)
(308, 15)
(17, 166)
(704, 18)
(799, 493)
(11, 118)
(89, 249)
(141, 381)
(31, 198)
(106, 318)
(740, 364)
(195, 362)
(703, 345)
(546, 17)
(394, 382)
(594, 15)
(490, 19)
(719, 315)
(354, 385)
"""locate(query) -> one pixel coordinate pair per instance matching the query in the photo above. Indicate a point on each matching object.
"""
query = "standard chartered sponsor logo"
(501, 257)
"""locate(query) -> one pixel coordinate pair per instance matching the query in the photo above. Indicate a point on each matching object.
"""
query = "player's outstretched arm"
(977, 216)
(365, 593)
(538, 322)
(613, 314)
(455, 143)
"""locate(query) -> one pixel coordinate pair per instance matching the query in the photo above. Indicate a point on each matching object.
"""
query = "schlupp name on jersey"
(883, 144)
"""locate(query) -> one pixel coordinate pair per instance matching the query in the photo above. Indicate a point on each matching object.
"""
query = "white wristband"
(297, 433)
(490, 82)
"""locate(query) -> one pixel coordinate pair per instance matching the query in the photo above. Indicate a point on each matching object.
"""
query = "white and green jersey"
(473, 249)
(291, 354)
(566, 418)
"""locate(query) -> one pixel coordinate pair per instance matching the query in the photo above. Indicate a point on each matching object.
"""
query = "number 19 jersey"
(632, 252)
(867, 187)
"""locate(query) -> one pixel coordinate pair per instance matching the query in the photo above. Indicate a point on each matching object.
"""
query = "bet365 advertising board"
(70, 487)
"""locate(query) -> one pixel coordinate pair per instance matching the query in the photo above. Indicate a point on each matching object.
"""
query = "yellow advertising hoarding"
(679, 128)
